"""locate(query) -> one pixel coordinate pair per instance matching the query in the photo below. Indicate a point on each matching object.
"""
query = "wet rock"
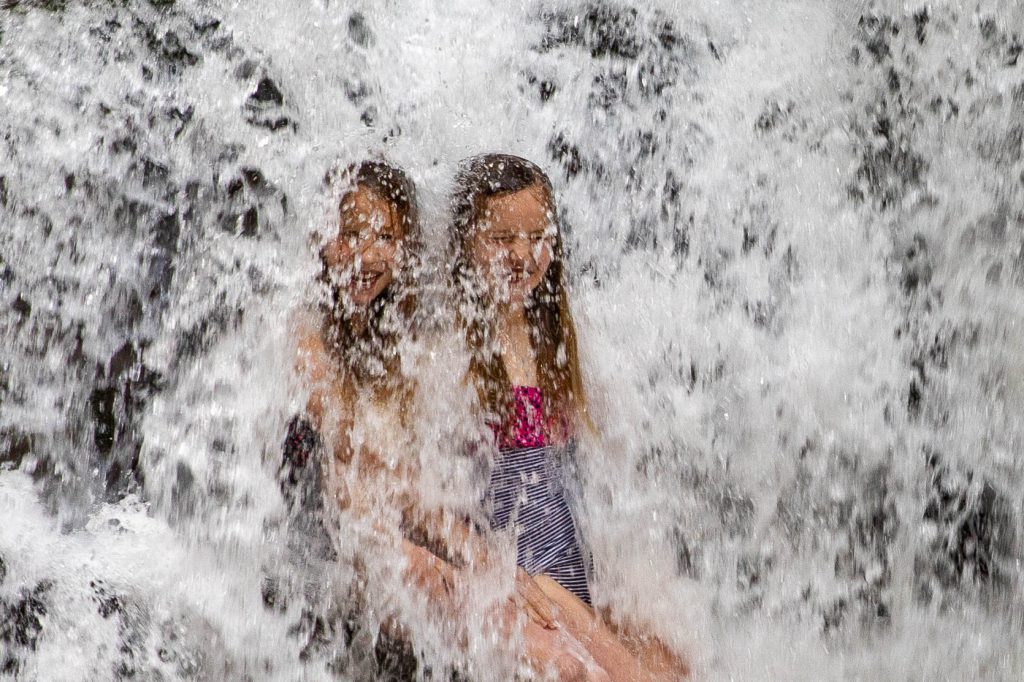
(270, 591)
(546, 89)
(972, 530)
(833, 616)
(396, 658)
(614, 34)
(773, 115)
(914, 398)
(609, 89)
(200, 337)
(1013, 51)
(359, 30)
(14, 446)
(255, 180)
(356, 90)
(916, 266)
(21, 624)
(204, 25)
(168, 50)
(889, 166)
(566, 154)
(102, 404)
(143, 205)
(48, 5)
(248, 223)
(165, 233)
(736, 511)
(994, 274)
(1004, 45)
(264, 107)
(253, 205)
(876, 34)
(921, 19)
(1003, 147)
(606, 29)
(687, 563)
(108, 602)
(182, 116)
(246, 69)
(184, 489)
(267, 92)
(762, 314)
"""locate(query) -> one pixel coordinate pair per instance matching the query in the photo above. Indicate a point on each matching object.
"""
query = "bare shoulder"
(311, 351)
(307, 329)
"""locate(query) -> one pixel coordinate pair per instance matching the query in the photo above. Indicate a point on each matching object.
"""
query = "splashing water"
(797, 256)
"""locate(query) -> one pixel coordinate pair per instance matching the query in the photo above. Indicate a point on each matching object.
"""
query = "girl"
(349, 345)
(349, 355)
(358, 407)
(524, 364)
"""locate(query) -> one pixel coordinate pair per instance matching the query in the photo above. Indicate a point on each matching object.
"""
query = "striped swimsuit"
(526, 491)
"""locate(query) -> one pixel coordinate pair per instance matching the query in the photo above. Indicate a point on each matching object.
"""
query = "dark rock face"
(146, 205)
(21, 625)
(973, 534)
(902, 111)
(359, 30)
(966, 515)
(637, 58)
(264, 107)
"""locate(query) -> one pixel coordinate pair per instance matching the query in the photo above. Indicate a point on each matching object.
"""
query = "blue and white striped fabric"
(526, 492)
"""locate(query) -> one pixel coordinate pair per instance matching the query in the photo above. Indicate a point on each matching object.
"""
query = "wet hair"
(371, 354)
(552, 332)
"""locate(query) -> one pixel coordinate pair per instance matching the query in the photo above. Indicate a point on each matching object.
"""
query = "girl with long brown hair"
(512, 300)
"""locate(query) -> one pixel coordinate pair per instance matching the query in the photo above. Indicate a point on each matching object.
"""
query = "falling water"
(797, 260)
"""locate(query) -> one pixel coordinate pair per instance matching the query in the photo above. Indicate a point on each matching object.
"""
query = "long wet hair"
(370, 356)
(552, 331)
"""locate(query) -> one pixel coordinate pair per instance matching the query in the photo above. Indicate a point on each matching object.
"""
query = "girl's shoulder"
(307, 327)
(312, 358)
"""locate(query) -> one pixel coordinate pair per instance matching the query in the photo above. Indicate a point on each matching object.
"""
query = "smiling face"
(511, 244)
(366, 254)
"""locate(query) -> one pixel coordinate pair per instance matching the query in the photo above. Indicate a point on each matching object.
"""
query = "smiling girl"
(350, 359)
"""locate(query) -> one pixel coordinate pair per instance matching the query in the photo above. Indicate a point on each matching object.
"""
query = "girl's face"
(366, 254)
(512, 244)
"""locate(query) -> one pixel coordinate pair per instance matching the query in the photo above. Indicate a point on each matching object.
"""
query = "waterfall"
(796, 243)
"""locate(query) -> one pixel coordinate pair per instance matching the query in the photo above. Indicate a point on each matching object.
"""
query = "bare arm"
(441, 550)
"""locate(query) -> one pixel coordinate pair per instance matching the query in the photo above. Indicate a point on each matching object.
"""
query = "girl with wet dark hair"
(349, 344)
(350, 356)
(368, 274)
(510, 286)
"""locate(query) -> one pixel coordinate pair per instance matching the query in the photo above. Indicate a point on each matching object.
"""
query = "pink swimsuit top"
(529, 428)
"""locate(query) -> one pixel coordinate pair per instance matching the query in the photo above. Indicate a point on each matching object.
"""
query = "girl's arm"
(455, 540)
(623, 653)
(361, 482)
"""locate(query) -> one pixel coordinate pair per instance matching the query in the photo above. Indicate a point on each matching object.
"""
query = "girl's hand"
(537, 606)
(552, 651)
(436, 577)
